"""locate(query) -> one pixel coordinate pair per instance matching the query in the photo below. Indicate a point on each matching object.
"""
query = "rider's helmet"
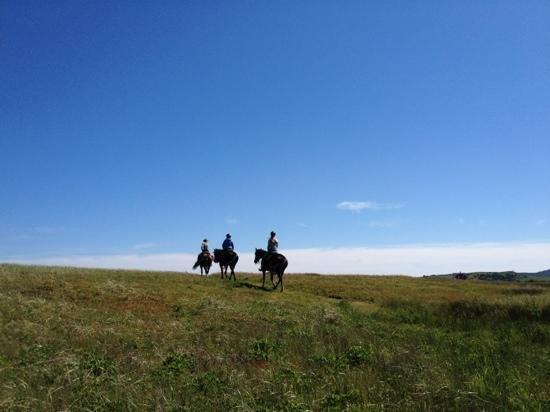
(205, 240)
(228, 236)
(273, 233)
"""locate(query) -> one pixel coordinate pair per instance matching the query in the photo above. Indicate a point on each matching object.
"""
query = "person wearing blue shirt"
(228, 243)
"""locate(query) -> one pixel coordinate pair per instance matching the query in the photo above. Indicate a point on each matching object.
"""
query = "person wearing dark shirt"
(228, 243)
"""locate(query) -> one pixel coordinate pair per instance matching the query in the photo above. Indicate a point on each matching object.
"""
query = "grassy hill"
(83, 339)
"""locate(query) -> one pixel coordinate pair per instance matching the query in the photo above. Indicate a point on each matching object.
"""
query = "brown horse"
(204, 260)
(275, 264)
(226, 259)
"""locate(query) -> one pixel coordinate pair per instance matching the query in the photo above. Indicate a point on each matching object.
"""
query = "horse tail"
(198, 262)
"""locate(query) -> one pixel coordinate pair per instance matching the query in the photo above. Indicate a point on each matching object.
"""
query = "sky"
(373, 137)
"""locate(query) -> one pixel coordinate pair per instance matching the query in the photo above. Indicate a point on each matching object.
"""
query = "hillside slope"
(544, 274)
(83, 339)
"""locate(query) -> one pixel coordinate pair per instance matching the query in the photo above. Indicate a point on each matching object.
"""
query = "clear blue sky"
(134, 127)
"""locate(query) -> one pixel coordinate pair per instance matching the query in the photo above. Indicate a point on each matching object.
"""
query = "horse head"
(258, 254)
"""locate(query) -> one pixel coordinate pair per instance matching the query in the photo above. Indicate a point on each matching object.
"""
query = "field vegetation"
(84, 339)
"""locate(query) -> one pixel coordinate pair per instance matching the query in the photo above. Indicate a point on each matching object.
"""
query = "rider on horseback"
(204, 250)
(204, 259)
(228, 243)
(204, 246)
(272, 246)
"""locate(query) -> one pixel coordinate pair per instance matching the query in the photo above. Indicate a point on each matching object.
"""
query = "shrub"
(359, 355)
(98, 366)
(341, 399)
(177, 363)
(208, 383)
(262, 349)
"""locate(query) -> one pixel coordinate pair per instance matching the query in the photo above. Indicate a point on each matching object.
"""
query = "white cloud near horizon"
(413, 260)
(366, 205)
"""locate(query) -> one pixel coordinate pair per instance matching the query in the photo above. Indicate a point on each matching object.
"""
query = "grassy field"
(83, 339)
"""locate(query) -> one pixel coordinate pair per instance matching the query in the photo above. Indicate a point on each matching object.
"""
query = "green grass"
(83, 339)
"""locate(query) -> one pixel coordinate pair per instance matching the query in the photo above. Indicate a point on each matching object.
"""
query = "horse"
(276, 263)
(226, 258)
(204, 260)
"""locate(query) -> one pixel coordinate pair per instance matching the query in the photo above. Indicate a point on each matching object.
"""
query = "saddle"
(228, 252)
(271, 257)
(203, 255)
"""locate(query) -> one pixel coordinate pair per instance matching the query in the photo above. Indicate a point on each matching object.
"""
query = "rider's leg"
(264, 261)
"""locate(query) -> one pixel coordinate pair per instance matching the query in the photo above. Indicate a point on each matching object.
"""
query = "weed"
(208, 383)
(176, 364)
(330, 362)
(341, 399)
(359, 355)
(98, 366)
(262, 349)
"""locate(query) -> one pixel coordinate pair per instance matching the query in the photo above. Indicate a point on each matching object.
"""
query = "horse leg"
(278, 281)
(263, 279)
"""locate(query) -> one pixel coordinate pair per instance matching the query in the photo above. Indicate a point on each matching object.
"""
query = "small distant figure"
(204, 246)
(228, 243)
(272, 243)
(226, 257)
(272, 247)
(461, 276)
(271, 261)
(204, 259)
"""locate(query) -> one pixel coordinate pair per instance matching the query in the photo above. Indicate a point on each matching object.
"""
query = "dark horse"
(275, 264)
(226, 258)
(204, 260)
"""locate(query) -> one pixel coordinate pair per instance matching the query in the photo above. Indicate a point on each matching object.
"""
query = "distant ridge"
(541, 274)
(500, 276)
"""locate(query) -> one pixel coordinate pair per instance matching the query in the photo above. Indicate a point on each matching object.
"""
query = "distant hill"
(501, 276)
(541, 274)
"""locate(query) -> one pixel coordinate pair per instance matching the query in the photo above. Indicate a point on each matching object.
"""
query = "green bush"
(177, 363)
(359, 355)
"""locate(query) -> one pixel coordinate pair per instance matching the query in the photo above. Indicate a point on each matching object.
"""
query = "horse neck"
(261, 253)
